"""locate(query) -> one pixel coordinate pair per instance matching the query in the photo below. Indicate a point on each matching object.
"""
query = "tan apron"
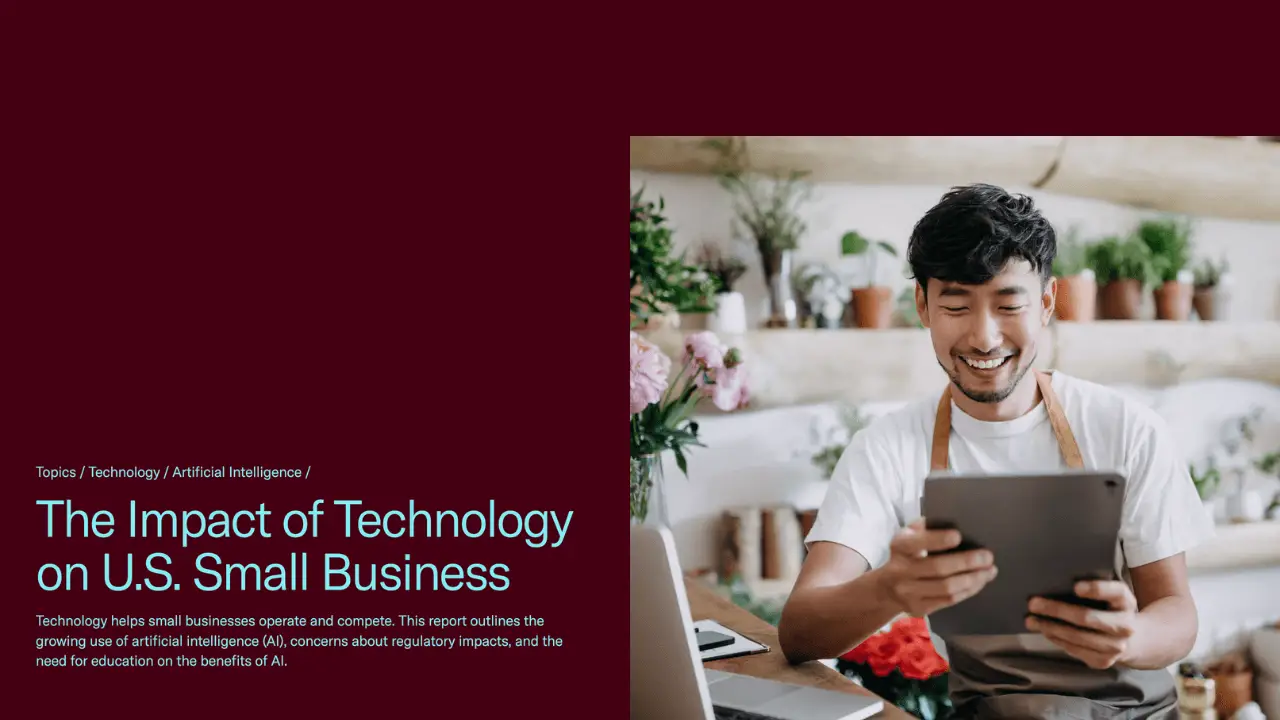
(1026, 676)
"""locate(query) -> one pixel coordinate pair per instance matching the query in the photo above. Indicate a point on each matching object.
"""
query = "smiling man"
(982, 260)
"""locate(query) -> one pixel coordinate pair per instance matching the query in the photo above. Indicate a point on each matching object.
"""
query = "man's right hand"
(920, 583)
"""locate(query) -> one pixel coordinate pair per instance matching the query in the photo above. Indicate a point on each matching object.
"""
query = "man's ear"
(1049, 301)
(922, 305)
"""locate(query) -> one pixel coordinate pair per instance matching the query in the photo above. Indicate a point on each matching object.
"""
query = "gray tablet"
(1046, 532)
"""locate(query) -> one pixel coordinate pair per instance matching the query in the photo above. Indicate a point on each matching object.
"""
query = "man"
(982, 261)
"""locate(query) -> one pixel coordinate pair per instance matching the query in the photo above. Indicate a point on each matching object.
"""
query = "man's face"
(985, 335)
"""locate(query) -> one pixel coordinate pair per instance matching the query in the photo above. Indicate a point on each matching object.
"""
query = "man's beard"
(991, 396)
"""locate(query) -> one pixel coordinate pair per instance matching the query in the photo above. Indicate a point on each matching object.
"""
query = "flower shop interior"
(790, 252)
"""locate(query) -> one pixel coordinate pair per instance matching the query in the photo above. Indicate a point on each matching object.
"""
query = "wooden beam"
(1209, 176)
(866, 159)
(1216, 177)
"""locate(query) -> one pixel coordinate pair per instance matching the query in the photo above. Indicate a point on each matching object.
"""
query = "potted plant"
(823, 293)
(872, 303)
(730, 313)
(696, 302)
(1077, 286)
(1170, 243)
(1211, 296)
(832, 444)
(766, 208)
(660, 279)
(1122, 268)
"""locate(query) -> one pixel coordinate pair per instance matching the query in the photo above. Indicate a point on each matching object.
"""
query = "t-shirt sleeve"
(1163, 513)
(860, 509)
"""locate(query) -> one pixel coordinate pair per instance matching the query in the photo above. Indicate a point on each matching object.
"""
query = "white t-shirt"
(879, 480)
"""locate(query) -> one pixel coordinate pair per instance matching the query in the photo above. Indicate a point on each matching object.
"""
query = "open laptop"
(668, 681)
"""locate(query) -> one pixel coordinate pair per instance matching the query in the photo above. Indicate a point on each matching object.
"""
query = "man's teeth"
(986, 364)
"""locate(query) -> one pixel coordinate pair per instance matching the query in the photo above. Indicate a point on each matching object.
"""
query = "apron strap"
(939, 460)
(942, 433)
(1058, 419)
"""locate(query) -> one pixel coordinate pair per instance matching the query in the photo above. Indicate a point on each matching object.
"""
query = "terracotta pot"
(1120, 300)
(1173, 301)
(872, 307)
(1203, 301)
(1232, 692)
(1077, 298)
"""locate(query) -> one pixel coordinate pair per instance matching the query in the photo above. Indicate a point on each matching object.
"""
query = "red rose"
(906, 647)
(919, 661)
(886, 657)
(916, 663)
(858, 654)
(865, 650)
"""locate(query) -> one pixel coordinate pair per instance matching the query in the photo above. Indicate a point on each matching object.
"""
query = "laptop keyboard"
(727, 714)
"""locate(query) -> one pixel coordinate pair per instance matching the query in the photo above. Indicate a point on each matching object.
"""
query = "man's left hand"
(1098, 638)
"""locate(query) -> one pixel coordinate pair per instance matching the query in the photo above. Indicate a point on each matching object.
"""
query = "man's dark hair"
(974, 231)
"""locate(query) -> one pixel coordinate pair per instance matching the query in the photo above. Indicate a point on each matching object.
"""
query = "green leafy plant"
(1169, 240)
(907, 310)
(697, 286)
(725, 269)
(1072, 257)
(1206, 482)
(1208, 273)
(1115, 258)
(853, 243)
(740, 594)
(660, 279)
(1269, 463)
(851, 420)
(765, 206)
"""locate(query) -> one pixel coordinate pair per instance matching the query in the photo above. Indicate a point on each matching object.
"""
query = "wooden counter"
(705, 604)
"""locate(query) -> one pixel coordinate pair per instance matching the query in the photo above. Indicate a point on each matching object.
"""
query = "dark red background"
(306, 237)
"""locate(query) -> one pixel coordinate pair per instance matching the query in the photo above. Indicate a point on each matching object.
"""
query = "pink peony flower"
(730, 391)
(706, 349)
(649, 371)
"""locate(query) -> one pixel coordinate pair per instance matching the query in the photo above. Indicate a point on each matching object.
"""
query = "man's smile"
(986, 364)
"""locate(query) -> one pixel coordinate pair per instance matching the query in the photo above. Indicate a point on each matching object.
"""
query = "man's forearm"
(826, 622)
(1165, 633)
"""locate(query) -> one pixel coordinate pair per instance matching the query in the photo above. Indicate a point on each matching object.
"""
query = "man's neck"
(1021, 401)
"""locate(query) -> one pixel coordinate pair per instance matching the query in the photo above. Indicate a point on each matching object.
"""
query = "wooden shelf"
(1238, 546)
(797, 367)
(1218, 177)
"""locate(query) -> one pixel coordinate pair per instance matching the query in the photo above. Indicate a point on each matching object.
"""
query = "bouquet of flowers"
(902, 666)
(661, 405)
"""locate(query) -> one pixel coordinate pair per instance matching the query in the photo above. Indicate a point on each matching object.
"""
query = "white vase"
(730, 316)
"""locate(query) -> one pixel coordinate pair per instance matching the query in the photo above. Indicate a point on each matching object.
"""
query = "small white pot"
(730, 316)
(1246, 506)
